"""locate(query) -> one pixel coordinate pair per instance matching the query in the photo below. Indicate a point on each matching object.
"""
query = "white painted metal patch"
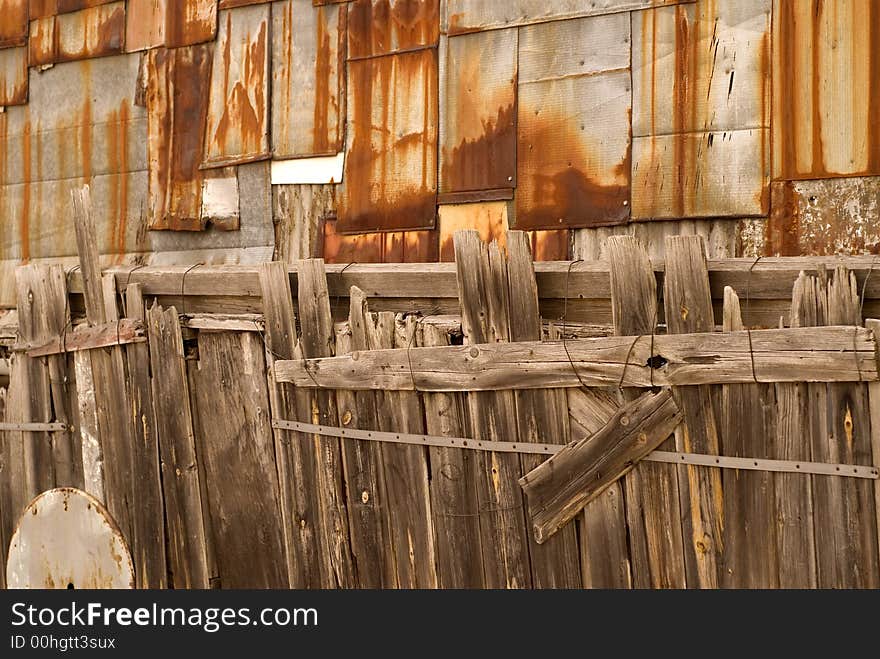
(315, 171)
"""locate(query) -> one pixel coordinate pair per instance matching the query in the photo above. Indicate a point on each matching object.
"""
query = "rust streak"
(818, 156)
(873, 91)
(24, 214)
(323, 74)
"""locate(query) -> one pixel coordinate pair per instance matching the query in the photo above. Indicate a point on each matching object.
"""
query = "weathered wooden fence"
(402, 427)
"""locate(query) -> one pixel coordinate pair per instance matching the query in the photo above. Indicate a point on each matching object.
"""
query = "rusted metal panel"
(238, 112)
(824, 216)
(13, 76)
(66, 539)
(379, 27)
(573, 142)
(464, 16)
(177, 108)
(478, 116)
(144, 24)
(232, 4)
(391, 161)
(93, 32)
(13, 23)
(826, 89)
(151, 24)
(379, 247)
(701, 67)
(308, 79)
(701, 175)
(44, 8)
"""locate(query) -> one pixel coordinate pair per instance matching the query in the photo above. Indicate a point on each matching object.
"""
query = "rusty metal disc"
(67, 539)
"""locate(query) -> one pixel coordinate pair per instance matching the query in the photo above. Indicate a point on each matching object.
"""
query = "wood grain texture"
(560, 487)
(688, 304)
(874, 411)
(103, 336)
(187, 542)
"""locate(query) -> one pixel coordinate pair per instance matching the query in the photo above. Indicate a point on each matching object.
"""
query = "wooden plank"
(187, 543)
(316, 340)
(454, 503)
(242, 500)
(87, 248)
(650, 491)
(88, 338)
(747, 421)
(541, 416)
(688, 304)
(13, 480)
(831, 354)
(504, 540)
(295, 454)
(147, 541)
(559, 488)
(874, 408)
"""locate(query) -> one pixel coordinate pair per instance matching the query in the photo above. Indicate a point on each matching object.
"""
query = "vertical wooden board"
(13, 482)
(874, 403)
(96, 31)
(701, 67)
(237, 451)
(573, 151)
(298, 212)
(688, 305)
(478, 117)
(722, 174)
(651, 490)
(238, 111)
(454, 505)
(177, 108)
(379, 27)
(826, 82)
(13, 23)
(308, 79)
(13, 76)
(187, 542)
(390, 178)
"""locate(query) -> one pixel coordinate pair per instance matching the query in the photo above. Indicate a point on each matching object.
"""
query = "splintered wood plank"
(748, 430)
(367, 509)
(187, 542)
(541, 416)
(651, 489)
(320, 407)
(560, 487)
(454, 504)
(874, 404)
(148, 524)
(482, 286)
(294, 452)
(688, 304)
(242, 500)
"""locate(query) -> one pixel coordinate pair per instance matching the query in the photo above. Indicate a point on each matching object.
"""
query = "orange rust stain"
(323, 74)
(194, 22)
(13, 23)
(816, 115)
(873, 91)
(764, 83)
(85, 145)
(681, 92)
(783, 228)
(393, 247)
(24, 214)
(117, 143)
(383, 26)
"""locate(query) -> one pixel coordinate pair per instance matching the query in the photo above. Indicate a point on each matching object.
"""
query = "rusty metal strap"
(698, 459)
(33, 427)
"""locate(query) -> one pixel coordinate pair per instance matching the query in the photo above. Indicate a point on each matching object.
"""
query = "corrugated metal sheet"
(826, 85)
(177, 108)
(478, 111)
(573, 142)
(475, 15)
(385, 247)
(95, 32)
(149, 23)
(308, 79)
(825, 216)
(379, 27)
(13, 76)
(13, 23)
(391, 164)
(238, 114)
(700, 68)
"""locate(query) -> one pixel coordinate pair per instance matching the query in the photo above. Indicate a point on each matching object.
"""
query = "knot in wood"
(624, 420)
(474, 352)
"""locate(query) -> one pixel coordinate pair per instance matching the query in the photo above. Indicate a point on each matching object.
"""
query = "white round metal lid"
(67, 539)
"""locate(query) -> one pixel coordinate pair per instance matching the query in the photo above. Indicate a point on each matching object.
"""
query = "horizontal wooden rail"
(89, 338)
(809, 354)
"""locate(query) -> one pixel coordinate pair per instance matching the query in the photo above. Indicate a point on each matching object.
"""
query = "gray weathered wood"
(87, 248)
(88, 338)
(560, 487)
(874, 410)
(187, 542)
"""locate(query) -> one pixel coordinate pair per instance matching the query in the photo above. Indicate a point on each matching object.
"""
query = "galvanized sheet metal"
(238, 113)
(573, 142)
(391, 161)
(177, 108)
(13, 23)
(66, 539)
(13, 76)
(379, 27)
(701, 67)
(93, 32)
(478, 112)
(474, 15)
(826, 86)
(825, 216)
(308, 79)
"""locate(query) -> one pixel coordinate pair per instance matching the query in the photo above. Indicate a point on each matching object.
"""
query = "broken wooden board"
(123, 332)
(559, 488)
